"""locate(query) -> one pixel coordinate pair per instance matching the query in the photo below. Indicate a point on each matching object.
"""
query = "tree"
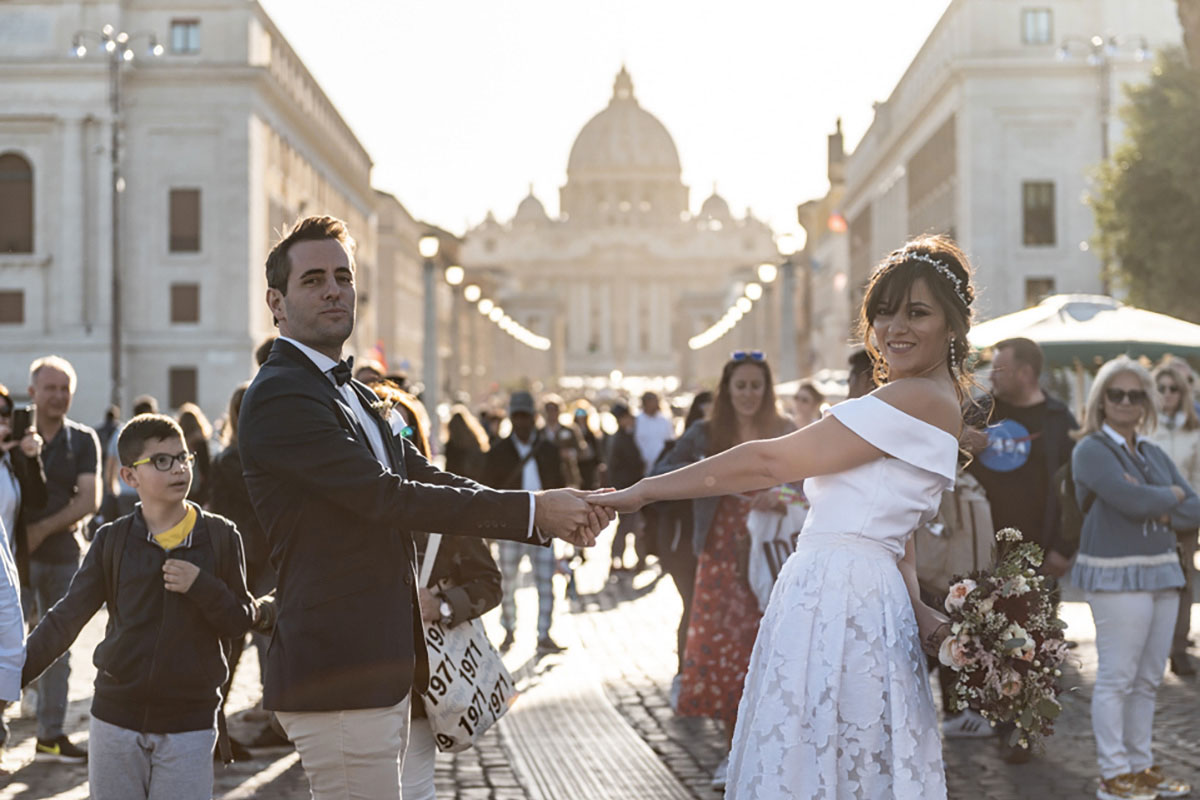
(1147, 202)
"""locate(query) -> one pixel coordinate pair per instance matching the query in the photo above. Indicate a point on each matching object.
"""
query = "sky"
(463, 104)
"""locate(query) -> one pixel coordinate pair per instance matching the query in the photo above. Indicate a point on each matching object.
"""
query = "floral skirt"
(837, 703)
(724, 621)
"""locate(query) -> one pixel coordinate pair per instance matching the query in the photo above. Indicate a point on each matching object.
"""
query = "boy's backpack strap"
(114, 548)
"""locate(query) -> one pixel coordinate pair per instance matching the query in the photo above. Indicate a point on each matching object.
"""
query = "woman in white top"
(837, 703)
(1178, 433)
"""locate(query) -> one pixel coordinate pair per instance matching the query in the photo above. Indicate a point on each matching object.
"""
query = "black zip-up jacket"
(161, 664)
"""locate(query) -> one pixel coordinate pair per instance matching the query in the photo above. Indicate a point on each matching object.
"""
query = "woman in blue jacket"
(1134, 498)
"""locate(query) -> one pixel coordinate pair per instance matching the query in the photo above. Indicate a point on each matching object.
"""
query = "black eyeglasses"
(742, 355)
(164, 462)
(1119, 395)
(1168, 388)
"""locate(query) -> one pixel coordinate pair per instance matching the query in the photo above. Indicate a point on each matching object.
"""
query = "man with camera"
(22, 485)
(71, 457)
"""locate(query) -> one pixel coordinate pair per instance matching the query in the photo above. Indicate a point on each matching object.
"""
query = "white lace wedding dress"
(837, 702)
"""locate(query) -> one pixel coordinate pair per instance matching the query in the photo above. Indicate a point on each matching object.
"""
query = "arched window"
(16, 204)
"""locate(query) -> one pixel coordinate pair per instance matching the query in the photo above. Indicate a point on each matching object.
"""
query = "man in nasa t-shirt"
(1028, 439)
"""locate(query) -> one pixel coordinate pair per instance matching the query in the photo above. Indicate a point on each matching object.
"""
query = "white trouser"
(1133, 640)
(350, 755)
(416, 781)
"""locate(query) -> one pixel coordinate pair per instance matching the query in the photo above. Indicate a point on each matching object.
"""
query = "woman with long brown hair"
(836, 701)
(724, 612)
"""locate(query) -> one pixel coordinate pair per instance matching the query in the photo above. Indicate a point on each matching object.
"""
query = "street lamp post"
(454, 276)
(119, 47)
(472, 295)
(787, 308)
(428, 248)
(1100, 52)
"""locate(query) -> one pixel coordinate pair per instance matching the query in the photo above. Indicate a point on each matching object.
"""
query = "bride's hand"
(623, 501)
(933, 627)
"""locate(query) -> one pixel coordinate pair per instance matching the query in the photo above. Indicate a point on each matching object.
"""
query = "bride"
(837, 702)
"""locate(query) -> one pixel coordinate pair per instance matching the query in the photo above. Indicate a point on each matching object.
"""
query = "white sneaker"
(720, 774)
(967, 725)
(29, 704)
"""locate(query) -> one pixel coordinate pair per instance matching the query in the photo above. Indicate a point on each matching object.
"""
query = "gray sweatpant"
(127, 765)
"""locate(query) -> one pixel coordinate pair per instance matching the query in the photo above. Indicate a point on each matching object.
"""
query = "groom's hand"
(564, 513)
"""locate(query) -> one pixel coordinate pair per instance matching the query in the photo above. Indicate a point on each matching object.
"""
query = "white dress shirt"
(366, 417)
(531, 478)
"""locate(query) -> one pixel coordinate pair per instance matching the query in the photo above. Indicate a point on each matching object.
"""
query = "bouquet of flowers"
(1006, 642)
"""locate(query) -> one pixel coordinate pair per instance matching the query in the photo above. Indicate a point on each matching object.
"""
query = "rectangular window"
(12, 307)
(185, 36)
(185, 221)
(185, 302)
(1037, 204)
(1037, 26)
(181, 386)
(1037, 290)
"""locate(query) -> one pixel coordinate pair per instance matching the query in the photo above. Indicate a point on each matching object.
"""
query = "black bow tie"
(342, 371)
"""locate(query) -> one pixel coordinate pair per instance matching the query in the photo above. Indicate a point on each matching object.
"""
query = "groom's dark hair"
(309, 229)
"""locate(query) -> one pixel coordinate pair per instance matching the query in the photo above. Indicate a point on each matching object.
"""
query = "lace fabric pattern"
(837, 704)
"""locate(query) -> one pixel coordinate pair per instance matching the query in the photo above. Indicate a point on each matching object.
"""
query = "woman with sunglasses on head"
(836, 701)
(1133, 499)
(724, 611)
(1178, 434)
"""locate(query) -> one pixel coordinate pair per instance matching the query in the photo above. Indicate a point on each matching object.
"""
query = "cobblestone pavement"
(616, 674)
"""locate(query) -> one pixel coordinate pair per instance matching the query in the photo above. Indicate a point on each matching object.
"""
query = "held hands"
(566, 514)
(178, 576)
(622, 501)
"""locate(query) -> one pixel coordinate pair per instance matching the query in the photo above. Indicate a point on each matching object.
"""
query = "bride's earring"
(954, 361)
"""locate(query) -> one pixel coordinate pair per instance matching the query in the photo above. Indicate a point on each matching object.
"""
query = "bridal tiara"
(940, 266)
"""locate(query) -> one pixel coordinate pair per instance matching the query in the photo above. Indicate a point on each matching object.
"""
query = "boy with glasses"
(173, 577)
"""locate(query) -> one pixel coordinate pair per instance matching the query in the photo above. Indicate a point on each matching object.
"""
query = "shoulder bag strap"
(432, 543)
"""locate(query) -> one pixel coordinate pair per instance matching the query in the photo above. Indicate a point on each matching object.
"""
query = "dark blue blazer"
(339, 529)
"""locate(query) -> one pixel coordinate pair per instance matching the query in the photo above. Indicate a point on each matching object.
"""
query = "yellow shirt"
(174, 536)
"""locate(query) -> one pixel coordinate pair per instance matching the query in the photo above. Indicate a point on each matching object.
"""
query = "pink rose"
(953, 652)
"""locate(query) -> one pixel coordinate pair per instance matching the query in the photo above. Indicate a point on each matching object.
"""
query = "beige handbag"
(958, 540)
(469, 686)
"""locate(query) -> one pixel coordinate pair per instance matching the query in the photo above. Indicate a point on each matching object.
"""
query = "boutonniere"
(384, 408)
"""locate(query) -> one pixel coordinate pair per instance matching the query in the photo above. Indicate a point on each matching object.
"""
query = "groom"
(338, 497)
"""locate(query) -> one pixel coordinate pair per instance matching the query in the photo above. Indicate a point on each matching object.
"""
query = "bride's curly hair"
(951, 287)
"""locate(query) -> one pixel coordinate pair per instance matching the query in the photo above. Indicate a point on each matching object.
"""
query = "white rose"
(958, 594)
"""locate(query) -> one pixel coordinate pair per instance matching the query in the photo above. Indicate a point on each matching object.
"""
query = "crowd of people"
(1110, 501)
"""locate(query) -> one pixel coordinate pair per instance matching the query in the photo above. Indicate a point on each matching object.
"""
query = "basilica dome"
(531, 210)
(624, 137)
